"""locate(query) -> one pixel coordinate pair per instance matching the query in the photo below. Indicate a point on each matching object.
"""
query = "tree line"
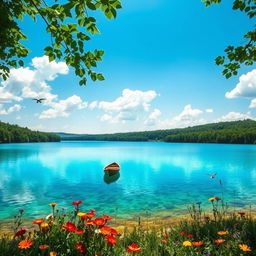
(14, 133)
(236, 132)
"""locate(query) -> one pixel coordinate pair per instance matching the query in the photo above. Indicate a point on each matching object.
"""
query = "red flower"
(190, 235)
(80, 247)
(133, 248)
(21, 232)
(241, 213)
(197, 244)
(80, 231)
(166, 235)
(70, 226)
(206, 217)
(182, 233)
(217, 198)
(90, 215)
(114, 232)
(77, 202)
(106, 217)
(89, 222)
(92, 210)
(106, 230)
(99, 222)
(111, 240)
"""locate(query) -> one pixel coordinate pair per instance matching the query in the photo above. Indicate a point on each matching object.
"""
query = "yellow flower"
(80, 214)
(53, 253)
(45, 227)
(211, 199)
(53, 204)
(244, 247)
(222, 233)
(187, 243)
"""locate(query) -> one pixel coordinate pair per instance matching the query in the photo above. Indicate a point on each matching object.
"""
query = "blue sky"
(159, 69)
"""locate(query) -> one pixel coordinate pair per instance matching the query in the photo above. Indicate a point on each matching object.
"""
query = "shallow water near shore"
(156, 179)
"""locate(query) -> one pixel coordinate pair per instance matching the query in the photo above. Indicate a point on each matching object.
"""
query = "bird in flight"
(212, 176)
(39, 100)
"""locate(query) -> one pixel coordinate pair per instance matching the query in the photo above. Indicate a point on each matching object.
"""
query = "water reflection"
(111, 177)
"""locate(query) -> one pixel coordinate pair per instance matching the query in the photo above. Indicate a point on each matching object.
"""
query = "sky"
(159, 69)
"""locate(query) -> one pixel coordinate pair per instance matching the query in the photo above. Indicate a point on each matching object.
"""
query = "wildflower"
(38, 222)
(80, 247)
(43, 246)
(21, 232)
(211, 199)
(114, 232)
(45, 227)
(90, 215)
(217, 198)
(53, 204)
(92, 210)
(187, 243)
(241, 214)
(219, 241)
(164, 241)
(182, 233)
(21, 211)
(133, 248)
(77, 202)
(189, 235)
(106, 217)
(106, 230)
(166, 235)
(70, 226)
(197, 244)
(53, 253)
(89, 222)
(80, 231)
(111, 240)
(244, 247)
(206, 217)
(222, 233)
(25, 244)
(81, 214)
(99, 222)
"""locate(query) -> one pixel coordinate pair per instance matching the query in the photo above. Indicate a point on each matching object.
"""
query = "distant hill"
(14, 133)
(236, 132)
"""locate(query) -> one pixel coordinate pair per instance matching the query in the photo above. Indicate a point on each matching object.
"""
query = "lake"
(156, 178)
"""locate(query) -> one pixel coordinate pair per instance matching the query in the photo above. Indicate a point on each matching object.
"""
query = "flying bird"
(212, 176)
(39, 100)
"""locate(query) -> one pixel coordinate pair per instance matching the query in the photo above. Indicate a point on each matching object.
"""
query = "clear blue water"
(155, 178)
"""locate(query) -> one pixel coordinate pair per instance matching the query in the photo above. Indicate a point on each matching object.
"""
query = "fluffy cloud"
(63, 107)
(9, 110)
(31, 82)
(127, 107)
(234, 116)
(245, 88)
(153, 117)
(209, 110)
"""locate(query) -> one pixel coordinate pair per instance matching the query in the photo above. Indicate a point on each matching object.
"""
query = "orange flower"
(106, 230)
(89, 222)
(133, 248)
(53, 204)
(111, 240)
(70, 226)
(77, 202)
(244, 248)
(90, 214)
(99, 222)
(80, 231)
(53, 253)
(222, 233)
(25, 244)
(43, 246)
(220, 241)
(197, 244)
(80, 247)
(164, 241)
(38, 222)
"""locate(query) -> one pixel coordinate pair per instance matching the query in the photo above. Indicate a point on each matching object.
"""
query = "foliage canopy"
(69, 24)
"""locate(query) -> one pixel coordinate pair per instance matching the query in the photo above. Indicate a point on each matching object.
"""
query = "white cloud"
(234, 116)
(10, 110)
(93, 105)
(127, 107)
(209, 110)
(153, 117)
(63, 107)
(245, 88)
(253, 103)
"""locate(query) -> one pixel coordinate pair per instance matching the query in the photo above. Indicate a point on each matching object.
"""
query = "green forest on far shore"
(13, 133)
(235, 132)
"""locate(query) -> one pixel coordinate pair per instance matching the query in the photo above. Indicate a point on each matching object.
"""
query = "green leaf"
(100, 77)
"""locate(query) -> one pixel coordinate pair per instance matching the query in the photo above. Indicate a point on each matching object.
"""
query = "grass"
(84, 233)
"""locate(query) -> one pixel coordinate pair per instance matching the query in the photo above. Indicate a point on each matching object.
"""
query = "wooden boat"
(112, 168)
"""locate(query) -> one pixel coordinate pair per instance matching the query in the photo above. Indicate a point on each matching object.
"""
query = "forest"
(235, 132)
(14, 133)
